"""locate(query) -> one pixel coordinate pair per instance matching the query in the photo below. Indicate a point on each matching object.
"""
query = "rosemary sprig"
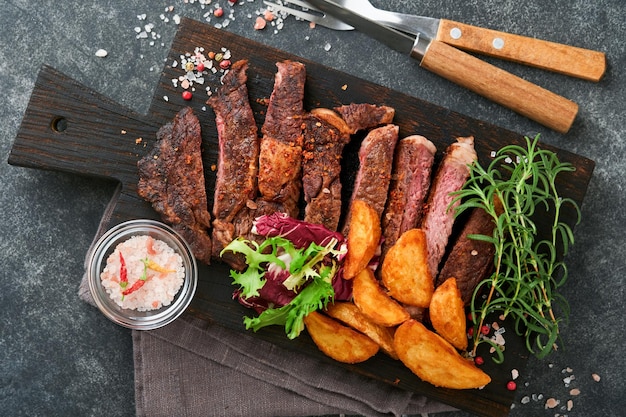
(528, 269)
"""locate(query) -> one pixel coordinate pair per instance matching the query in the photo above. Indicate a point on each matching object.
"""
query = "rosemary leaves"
(529, 267)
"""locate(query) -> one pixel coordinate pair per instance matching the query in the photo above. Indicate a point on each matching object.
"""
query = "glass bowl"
(134, 319)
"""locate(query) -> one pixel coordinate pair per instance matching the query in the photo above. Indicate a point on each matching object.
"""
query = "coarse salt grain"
(552, 402)
(596, 377)
(101, 53)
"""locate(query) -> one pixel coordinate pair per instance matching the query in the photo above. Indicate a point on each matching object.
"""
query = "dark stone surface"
(59, 356)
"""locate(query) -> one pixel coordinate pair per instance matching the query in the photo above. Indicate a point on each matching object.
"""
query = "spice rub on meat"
(171, 177)
(361, 116)
(409, 187)
(375, 165)
(237, 166)
(280, 158)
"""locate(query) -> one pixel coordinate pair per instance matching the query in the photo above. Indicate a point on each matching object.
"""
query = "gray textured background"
(59, 356)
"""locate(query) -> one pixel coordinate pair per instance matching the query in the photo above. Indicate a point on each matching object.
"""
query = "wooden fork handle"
(569, 60)
(502, 87)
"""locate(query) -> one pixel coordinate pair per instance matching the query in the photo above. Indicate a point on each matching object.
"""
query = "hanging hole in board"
(59, 124)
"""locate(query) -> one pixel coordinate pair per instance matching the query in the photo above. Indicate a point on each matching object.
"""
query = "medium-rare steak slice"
(325, 135)
(361, 116)
(439, 217)
(375, 164)
(237, 166)
(280, 158)
(470, 260)
(410, 182)
(171, 177)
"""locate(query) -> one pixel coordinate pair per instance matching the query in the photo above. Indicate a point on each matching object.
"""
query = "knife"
(528, 99)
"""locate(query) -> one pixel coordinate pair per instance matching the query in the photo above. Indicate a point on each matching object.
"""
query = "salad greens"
(307, 271)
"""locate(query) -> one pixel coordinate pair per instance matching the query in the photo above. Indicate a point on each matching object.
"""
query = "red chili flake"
(478, 360)
(485, 329)
(219, 12)
(511, 386)
(225, 64)
(187, 95)
(200, 66)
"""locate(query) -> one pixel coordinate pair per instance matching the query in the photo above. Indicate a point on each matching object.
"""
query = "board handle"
(504, 88)
(564, 59)
(68, 127)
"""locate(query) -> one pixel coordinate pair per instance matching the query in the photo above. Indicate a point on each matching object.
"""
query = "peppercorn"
(511, 386)
(219, 12)
(478, 360)
(225, 64)
(187, 95)
(200, 66)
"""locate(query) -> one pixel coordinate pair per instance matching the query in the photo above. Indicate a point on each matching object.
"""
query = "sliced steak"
(361, 116)
(171, 177)
(410, 182)
(237, 166)
(439, 217)
(280, 158)
(470, 260)
(325, 135)
(375, 164)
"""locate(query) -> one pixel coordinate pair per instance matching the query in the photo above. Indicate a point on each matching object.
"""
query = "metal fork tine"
(319, 19)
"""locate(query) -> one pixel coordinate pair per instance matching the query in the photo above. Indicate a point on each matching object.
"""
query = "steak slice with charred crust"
(375, 164)
(410, 182)
(237, 166)
(325, 135)
(280, 158)
(470, 260)
(171, 177)
(361, 116)
(439, 217)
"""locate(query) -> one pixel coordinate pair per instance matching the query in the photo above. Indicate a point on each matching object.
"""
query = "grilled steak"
(361, 116)
(409, 187)
(280, 158)
(171, 177)
(237, 167)
(439, 217)
(325, 135)
(470, 260)
(375, 164)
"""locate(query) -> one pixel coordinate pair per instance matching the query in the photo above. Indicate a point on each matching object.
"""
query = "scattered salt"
(596, 377)
(101, 53)
(551, 403)
(327, 47)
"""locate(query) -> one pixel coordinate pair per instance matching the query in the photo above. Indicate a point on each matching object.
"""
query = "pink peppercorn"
(478, 360)
(187, 95)
(219, 12)
(225, 64)
(484, 329)
(511, 386)
(200, 66)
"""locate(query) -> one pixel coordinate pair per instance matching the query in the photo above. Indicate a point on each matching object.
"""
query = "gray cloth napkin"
(195, 368)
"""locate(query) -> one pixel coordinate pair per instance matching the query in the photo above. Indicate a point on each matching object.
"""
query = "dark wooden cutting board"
(68, 127)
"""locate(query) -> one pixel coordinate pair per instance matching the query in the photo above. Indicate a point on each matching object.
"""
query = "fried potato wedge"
(434, 360)
(363, 238)
(447, 314)
(349, 314)
(405, 272)
(374, 302)
(337, 341)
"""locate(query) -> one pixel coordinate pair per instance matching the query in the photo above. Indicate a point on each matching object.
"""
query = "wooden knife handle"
(504, 88)
(564, 59)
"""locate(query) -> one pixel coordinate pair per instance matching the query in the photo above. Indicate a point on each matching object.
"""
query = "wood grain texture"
(504, 88)
(551, 56)
(101, 139)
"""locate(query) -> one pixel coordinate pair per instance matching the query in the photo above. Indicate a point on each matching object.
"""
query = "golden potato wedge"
(434, 360)
(374, 302)
(447, 314)
(350, 315)
(363, 238)
(341, 343)
(405, 272)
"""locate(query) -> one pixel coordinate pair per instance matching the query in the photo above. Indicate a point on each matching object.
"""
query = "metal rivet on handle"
(498, 43)
(455, 33)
